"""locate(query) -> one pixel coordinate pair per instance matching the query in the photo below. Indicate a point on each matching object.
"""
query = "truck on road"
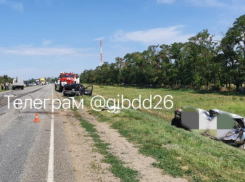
(67, 78)
(42, 81)
(18, 83)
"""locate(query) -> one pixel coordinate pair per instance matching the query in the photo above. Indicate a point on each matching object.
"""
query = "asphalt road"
(28, 150)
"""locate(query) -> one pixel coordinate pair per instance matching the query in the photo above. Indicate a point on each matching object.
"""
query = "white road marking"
(8, 95)
(51, 150)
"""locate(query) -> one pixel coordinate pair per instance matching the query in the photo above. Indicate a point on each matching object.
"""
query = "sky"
(41, 38)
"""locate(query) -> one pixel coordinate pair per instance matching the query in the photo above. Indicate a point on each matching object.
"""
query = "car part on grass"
(176, 121)
(88, 91)
(221, 125)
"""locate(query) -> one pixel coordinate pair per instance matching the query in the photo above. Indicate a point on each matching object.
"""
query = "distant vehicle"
(18, 83)
(228, 127)
(42, 81)
(67, 78)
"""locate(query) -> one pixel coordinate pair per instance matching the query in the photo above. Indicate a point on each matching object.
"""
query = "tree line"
(202, 61)
(5, 79)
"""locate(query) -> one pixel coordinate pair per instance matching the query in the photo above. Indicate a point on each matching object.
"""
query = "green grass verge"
(3, 90)
(203, 100)
(125, 174)
(178, 152)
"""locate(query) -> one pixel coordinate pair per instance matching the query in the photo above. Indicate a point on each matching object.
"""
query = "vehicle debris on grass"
(77, 90)
(221, 125)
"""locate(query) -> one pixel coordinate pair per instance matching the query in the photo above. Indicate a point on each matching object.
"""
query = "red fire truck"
(67, 78)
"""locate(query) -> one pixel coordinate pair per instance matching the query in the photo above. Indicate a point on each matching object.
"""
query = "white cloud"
(44, 1)
(165, 1)
(17, 6)
(40, 51)
(153, 36)
(208, 3)
(47, 42)
(98, 39)
(14, 5)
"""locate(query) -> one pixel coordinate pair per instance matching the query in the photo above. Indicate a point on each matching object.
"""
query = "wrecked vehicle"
(77, 90)
(224, 126)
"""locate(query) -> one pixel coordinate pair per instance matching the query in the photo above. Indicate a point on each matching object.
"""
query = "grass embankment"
(178, 152)
(230, 103)
(2, 90)
(125, 174)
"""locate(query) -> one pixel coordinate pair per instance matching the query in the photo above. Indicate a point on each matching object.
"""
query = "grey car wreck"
(72, 90)
(224, 126)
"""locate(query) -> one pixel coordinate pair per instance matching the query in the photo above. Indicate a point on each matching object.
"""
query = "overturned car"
(77, 90)
(225, 126)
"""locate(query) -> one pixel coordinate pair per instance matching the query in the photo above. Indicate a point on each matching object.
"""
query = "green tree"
(233, 47)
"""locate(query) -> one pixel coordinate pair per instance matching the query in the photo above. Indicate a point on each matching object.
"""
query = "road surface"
(58, 149)
(29, 151)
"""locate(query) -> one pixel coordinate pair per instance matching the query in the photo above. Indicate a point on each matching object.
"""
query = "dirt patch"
(126, 151)
(86, 161)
